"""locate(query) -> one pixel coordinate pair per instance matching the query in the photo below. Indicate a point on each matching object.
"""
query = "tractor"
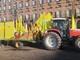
(60, 35)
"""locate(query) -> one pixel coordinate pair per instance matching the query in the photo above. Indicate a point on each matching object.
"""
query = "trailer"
(15, 32)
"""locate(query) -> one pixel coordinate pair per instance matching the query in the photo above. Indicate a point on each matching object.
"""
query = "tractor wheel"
(52, 41)
(77, 44)
(18, 45)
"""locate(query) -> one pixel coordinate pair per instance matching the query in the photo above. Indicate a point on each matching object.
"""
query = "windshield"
(59, 24)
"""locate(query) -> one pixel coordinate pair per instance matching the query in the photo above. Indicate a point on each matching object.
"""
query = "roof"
(59, 19)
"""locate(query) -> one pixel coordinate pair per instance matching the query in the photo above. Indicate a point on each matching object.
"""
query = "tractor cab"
(61, 24)
(60, 35)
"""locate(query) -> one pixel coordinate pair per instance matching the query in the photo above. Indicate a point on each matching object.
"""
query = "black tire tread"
(59, 41)
(76, 44)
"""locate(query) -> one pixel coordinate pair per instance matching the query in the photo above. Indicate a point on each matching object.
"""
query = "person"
(16, 35)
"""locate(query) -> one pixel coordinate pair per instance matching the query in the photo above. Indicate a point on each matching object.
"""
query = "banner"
(74, 26)
(44, 22)
(19, 27)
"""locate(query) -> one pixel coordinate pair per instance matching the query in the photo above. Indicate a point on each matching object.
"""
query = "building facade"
(30, 10)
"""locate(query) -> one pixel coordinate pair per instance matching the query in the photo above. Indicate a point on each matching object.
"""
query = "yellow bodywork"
(1, 30)
(7, 30)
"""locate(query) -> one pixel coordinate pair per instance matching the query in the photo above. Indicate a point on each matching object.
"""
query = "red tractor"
(61, 35)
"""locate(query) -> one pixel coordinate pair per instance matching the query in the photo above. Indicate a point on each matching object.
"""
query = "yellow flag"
(40, 19)
(47, 22)
(40, 22)
(22, 29)
(19, 27)
(44, 22)
(73, 22)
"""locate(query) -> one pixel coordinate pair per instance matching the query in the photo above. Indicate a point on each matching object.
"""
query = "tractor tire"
(77, 44)
(52, 41)
(18, 45)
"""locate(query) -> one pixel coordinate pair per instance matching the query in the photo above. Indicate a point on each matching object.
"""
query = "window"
(21, 4)
(9, 7)
(34, 17)
(10, 17)
(49, 1)
(58, 14)
(28, 18)
(10, 0)
(27, 4)
(68, 13)
(41, 1)
(5, 18)
(4, 1)
(58, 0)
(34, 3)
(0, 19)
(78, 12)
(78, 24)
(4, 8)
(15, 6)
(0, 8)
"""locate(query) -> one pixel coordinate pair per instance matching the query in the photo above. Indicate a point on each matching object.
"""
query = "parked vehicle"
(61, 34)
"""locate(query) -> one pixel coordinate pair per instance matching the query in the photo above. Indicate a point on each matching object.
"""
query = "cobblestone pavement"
(34, 53)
